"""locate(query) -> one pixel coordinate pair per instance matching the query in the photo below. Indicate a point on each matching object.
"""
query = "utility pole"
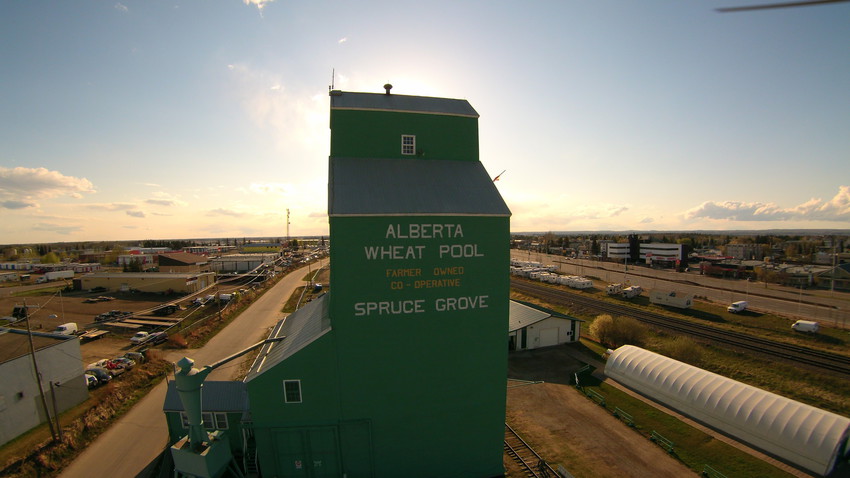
(37, 373)
(55, 410)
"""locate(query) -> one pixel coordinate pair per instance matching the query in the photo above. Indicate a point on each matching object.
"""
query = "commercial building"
(745, 251)
(649, 252)
(60, 366)
(158, 282)
(400, 370)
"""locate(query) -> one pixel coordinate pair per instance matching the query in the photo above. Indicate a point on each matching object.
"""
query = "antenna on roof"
(333, 75)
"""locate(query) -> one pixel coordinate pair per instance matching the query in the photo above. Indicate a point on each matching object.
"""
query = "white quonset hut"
(806, 436)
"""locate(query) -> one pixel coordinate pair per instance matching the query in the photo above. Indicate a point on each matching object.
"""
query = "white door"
(549, 337)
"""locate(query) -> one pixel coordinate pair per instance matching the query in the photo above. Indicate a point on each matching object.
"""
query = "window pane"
(207, 419)
(408, 144)
(221, 421)
(292, 391)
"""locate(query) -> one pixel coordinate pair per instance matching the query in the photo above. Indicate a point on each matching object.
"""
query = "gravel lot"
(566, 428)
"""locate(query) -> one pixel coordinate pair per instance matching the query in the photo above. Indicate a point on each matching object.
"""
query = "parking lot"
(49, 311)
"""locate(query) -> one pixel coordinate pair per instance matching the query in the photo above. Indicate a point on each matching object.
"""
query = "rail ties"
(525, 456)
(819, 359)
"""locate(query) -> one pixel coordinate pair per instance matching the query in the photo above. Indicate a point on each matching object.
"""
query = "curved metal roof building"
(809, 437)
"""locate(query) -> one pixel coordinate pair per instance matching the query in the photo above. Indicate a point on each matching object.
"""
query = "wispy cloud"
(601, 211)
(135, 213)
(162, 198)
(121, 7)
(342, 40)
(224, 212)
(115, 206)
(56, 229)
(261, 4)
(292, 117)
(282, 189)
(160, 202)
(12, 204)
(27, 184)
(835, 209)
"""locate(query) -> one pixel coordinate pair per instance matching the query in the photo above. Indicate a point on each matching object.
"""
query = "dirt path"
(566, 428)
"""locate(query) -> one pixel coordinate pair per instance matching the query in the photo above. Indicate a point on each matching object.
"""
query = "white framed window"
(292, 391)
(210, 420)
(408, 144)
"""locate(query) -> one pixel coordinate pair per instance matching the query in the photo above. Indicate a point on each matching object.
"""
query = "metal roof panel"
(364, 186)
(401, 103)
(300, 328)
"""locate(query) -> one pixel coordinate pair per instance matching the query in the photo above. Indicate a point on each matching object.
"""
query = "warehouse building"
(806, 436)
(157, 282)
(183, 262)
(400, 370)
(60, 366)
(241, 263)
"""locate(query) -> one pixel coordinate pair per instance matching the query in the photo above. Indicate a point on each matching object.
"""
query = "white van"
(806, 326)
(66, 329)
(736, 307)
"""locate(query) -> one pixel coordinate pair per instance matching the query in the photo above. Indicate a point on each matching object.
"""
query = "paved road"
(819, 305)
(136, 440)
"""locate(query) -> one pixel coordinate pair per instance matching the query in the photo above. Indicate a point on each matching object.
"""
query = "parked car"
(157, 338)
(99, 364)
(102, 375)
(136, 357)
(114, 368)
(91, 380)
(127, 363)
(139, 338)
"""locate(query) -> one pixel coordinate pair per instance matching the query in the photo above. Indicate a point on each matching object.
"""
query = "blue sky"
(180, 119)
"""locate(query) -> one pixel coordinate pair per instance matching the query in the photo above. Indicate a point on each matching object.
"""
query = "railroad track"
(838, 364)
(525, 456)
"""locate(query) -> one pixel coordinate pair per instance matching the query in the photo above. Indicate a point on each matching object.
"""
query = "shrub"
(617, 331)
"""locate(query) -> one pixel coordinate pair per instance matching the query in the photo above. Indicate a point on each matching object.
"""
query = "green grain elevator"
(400, 370)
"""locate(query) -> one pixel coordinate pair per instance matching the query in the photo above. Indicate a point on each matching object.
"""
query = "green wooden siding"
(377, 134)
(418, 371)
